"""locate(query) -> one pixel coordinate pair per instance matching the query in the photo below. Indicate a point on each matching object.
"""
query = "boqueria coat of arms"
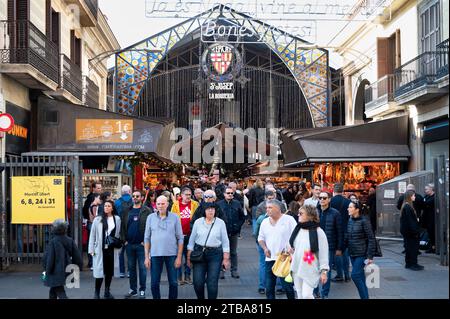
(221, 62)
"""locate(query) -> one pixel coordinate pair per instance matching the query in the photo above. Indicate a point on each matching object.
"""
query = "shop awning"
(380, 141)
(65, 127)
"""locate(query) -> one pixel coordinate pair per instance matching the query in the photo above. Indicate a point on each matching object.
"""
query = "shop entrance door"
(26, 243)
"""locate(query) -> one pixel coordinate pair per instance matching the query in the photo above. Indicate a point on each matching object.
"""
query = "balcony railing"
(419, 71)
(91, 94)
(381, 91)
(71, 79)
(93, 7)
(23, 43)
(442, 61)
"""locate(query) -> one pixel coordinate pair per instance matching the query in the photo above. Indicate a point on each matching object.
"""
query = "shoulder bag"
(197, 256)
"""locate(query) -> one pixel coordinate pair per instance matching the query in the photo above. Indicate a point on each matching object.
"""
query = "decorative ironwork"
(379, 92)
(71, 79)
(309, 66)
(24, 43)
(442, 60)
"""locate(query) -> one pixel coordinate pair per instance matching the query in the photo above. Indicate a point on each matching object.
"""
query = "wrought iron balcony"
(379, 96)
(415, 80)
(22, 43)
(91, 96)
(442, 61)
(71, 79)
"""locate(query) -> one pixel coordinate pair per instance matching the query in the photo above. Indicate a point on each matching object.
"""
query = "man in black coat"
(60, 253)
(372, 206)
(330, 222)
(236, 217)
(429, 216)
(340, 203)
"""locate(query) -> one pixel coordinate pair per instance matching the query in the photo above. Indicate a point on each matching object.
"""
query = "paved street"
(396, 282)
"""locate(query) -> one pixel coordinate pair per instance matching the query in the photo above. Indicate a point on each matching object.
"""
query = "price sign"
(37, 199)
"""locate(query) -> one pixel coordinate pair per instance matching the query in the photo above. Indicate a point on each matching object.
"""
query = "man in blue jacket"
(330, 222)
(235, 216)
(123, 204)
(340, 203)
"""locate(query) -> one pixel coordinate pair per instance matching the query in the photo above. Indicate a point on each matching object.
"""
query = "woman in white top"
(310, 253)
(209, 233)
(103, 255)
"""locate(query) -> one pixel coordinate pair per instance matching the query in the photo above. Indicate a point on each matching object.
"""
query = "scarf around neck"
(313, 238)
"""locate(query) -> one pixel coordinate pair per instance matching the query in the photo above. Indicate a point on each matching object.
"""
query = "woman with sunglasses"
(360, 241)
(103, 226)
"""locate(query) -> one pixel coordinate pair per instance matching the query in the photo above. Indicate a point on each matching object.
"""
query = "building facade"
(51, 48)
(401, 68)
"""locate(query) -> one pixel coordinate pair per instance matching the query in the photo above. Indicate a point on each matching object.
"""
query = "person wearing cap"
(273, 238)
(209, 233)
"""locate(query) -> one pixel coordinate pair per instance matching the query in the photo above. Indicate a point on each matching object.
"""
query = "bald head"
(411, 187)
(161, 204)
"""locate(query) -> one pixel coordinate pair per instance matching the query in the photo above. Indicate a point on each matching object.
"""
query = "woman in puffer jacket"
(360, 241)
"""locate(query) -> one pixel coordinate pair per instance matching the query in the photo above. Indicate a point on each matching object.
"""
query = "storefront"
(359, 156)
(18, 138)
(105, 142)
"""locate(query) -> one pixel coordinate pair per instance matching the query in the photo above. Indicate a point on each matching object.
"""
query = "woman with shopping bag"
(309, 253)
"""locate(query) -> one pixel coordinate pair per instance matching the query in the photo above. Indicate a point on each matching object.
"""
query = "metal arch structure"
(309, 66)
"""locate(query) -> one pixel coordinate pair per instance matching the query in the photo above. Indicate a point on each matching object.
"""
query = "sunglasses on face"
(323, 198)
(230, 193)
(208, 196)
(136, 196)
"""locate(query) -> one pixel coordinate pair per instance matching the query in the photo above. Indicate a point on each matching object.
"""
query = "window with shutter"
(382, 56)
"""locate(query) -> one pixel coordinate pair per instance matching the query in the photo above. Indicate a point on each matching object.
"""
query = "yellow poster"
(37, 199)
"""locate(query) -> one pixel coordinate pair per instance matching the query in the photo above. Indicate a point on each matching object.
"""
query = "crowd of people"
(195, 232)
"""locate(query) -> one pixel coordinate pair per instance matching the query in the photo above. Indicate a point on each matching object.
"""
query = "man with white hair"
(198, 194)
(123, 205)
(273, 238)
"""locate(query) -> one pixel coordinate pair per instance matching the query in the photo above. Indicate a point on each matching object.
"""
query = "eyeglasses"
(323, 198)
(208, 196)
(230, 193)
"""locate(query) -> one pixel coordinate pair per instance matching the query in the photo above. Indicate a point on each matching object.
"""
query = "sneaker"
(181, 281)
(417, 267)
(122, 275)
(188, 280)
(128, 275)
(235, 274)
(347, 279)
(141, 294)
(337, 279)
(92, 268)
(131, 294)
(262, 291)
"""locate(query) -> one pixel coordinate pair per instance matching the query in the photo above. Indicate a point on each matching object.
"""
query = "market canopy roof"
(66, 127)
(385, 140)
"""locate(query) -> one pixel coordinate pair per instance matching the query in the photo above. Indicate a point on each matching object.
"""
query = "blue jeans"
(208, 272)
(325, 289)
(359, 277)
(122, 260)
(135, 253)
(254, 220)
(262, 267)
(156, 269)
(271, 280)
(342, 265)
(187, 270)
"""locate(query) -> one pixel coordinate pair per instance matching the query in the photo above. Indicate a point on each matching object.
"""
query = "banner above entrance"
(71, 128)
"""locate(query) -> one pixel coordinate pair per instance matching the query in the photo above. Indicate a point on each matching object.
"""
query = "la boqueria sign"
(69, 127)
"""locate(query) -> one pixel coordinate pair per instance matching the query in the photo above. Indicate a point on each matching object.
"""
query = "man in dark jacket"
(288, 194)
(372, 206)
(340, 203)
(235, 215)
(60, 252)
(132, 234)
(330, 222)
(429, 216)
(255, 197)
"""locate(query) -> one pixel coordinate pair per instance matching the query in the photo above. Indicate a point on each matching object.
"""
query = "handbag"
(282, 266)
(197, 256)
(113, 242)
